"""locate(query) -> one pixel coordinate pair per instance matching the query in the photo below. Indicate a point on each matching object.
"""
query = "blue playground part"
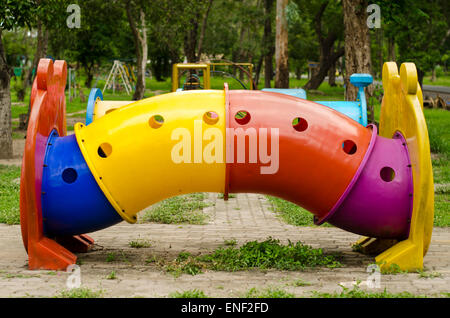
(297, 92)
(95, 92)
(72, 202)
(356, 110)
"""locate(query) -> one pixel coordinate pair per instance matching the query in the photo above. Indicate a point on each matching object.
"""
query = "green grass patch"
(427, 275)
(139, 243)
(269, 254)
(186, 208)
(442, 210)
(111, 257)
(194, 293)
(441, 177)
(9, 194)
(300, 283)
(290, 212)
(357, 292)
(443, 80)
(81, 292)
(230, 196)
(185, 263)
(231, 242)
(8, 276)
(438, 121)
(112, 275)
(393, 269)
(268, 293)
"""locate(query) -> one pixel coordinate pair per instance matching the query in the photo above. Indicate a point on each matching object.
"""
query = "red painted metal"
(47, 113)
(315, 167)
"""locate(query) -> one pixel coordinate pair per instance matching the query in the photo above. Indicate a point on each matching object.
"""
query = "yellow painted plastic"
(402, 110)
(191, 66)
(103, 107)
(138, 170)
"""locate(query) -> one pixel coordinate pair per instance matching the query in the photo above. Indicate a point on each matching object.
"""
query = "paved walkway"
(243, 218)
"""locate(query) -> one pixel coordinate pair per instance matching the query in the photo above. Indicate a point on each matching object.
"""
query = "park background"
(150, 36)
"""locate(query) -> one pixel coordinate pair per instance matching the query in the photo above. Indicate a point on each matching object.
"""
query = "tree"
(195, 12)
(281, 47)
(303, 45)
(136, 18)
(357, 43)
(268, 50)
(419, 31)
(102, 36)
(13, 14)
(327, 23)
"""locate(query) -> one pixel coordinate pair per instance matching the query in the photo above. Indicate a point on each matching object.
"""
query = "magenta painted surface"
(354, 179)
(375, 207)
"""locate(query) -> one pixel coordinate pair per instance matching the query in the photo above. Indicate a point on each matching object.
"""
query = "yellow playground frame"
(207, 68)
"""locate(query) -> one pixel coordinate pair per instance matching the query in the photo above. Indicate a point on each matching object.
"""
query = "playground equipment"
(118, 70)
(376, 185)
(356, 110)
(193, 81)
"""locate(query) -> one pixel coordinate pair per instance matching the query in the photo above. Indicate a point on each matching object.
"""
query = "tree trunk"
(391, 49)
(268, 43)
(203, 30)
(326, 62)
(328, 55)
(332, 75)
(41, 51)
(380, 41)
(140, 42)
(190, 41)
(357, 43)
(281, 46)
(420, 76)
(89, 76)
(6, 150)
(258, 70)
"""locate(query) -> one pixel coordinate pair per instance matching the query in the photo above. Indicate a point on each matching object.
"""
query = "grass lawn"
(443, 80)
(9, 194)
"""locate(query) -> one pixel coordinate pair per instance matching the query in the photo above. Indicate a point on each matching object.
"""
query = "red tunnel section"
(319, 150)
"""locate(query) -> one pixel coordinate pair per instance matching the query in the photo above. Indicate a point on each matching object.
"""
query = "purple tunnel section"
(378, 202)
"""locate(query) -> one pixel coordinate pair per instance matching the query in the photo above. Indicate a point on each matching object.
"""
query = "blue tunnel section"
(72, 201)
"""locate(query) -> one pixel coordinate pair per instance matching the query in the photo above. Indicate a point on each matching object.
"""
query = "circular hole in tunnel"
(387, 174)
(156, 121)
(349, 147)
(299, 124)
(211, 118)
(69, 175)
(104, 150)
(110, 110)
(242, 117)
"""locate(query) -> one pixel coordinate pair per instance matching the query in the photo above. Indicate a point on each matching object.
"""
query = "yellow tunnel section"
(156, 148)
(101, 107)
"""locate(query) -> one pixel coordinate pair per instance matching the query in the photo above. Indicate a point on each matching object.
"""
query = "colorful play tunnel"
(231, 141)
